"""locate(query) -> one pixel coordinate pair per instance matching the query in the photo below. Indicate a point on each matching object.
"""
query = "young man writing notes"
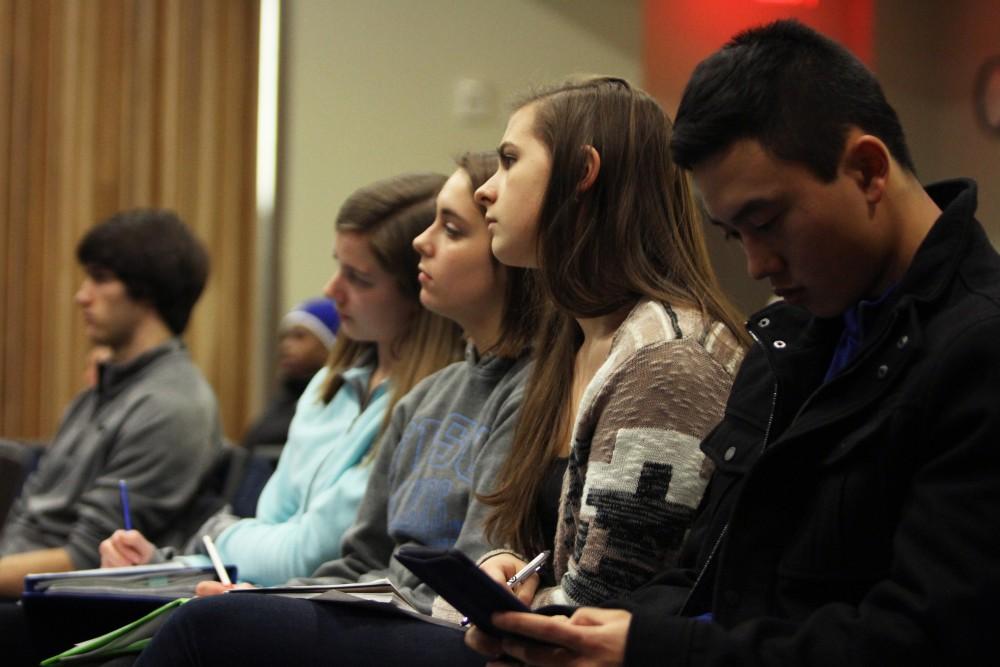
(151, 420)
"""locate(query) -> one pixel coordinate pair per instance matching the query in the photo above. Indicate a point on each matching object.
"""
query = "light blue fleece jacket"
(313, 495)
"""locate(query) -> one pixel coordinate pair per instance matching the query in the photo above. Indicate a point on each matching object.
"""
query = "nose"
(422, 243)
(83, 293)
(334, 288)
(762, 261)
(486, 193)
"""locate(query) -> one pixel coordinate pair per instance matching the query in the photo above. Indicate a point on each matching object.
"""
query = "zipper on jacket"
(309, 488)
(725, 528)
(364, 398)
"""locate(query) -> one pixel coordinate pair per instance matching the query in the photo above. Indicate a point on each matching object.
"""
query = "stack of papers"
(379, 594)
(378, 590)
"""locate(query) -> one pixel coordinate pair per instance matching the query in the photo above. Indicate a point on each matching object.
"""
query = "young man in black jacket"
(851, 514)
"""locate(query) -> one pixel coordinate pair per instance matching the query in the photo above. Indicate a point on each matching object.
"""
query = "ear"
(591, 170)
(867, 161)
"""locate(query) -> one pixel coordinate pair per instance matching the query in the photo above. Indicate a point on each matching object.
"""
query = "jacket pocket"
(844, 511)
(865, 431)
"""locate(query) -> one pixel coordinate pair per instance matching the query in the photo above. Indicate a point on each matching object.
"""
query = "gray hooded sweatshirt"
(445, 444)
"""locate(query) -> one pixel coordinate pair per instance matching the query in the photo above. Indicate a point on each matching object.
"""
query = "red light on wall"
(791, 3)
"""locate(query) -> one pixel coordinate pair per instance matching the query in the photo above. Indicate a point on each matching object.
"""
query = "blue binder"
(162, 581)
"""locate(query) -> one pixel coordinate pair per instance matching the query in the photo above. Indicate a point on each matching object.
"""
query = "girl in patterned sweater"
(640, 353)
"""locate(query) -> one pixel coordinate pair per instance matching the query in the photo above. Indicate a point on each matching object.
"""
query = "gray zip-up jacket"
(153, 422)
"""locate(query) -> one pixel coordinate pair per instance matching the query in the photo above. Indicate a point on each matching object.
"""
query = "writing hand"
(205, 589)
(124, 548)
(502, 567)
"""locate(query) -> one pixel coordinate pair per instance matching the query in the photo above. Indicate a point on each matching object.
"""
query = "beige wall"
(927, 56)
(369, 93)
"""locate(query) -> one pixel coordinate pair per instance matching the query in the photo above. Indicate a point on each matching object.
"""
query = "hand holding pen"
(533, 566)
(521, 582)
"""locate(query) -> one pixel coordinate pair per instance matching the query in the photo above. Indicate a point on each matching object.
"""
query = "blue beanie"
(318, 315)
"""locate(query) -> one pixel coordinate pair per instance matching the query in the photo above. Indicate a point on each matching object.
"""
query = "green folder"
(131, 638)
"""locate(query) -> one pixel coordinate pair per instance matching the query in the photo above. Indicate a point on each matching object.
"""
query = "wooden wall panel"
(107, 105)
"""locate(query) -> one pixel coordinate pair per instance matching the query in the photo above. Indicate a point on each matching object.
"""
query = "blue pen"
(126, 514)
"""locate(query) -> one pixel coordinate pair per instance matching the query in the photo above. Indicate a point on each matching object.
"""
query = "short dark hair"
(155, 255)
(791, 89)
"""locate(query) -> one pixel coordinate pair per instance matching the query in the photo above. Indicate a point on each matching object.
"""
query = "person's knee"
(206, 612)
(199, 616)
(191, 627)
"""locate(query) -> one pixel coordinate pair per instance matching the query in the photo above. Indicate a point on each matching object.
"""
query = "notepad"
(462, 583)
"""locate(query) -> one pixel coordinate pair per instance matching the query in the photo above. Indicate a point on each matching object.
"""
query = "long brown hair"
(635, 233)
(523, 304)
(390, 214)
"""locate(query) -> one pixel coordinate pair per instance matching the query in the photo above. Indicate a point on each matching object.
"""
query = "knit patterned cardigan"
(635, 476)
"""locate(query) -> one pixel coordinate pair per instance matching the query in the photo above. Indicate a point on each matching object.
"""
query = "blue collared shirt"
(854, 331)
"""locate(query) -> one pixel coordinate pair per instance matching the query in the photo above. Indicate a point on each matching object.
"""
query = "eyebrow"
(746, 210)
(452, 213)
(503, 146)
(358, 272)
(351, 267)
